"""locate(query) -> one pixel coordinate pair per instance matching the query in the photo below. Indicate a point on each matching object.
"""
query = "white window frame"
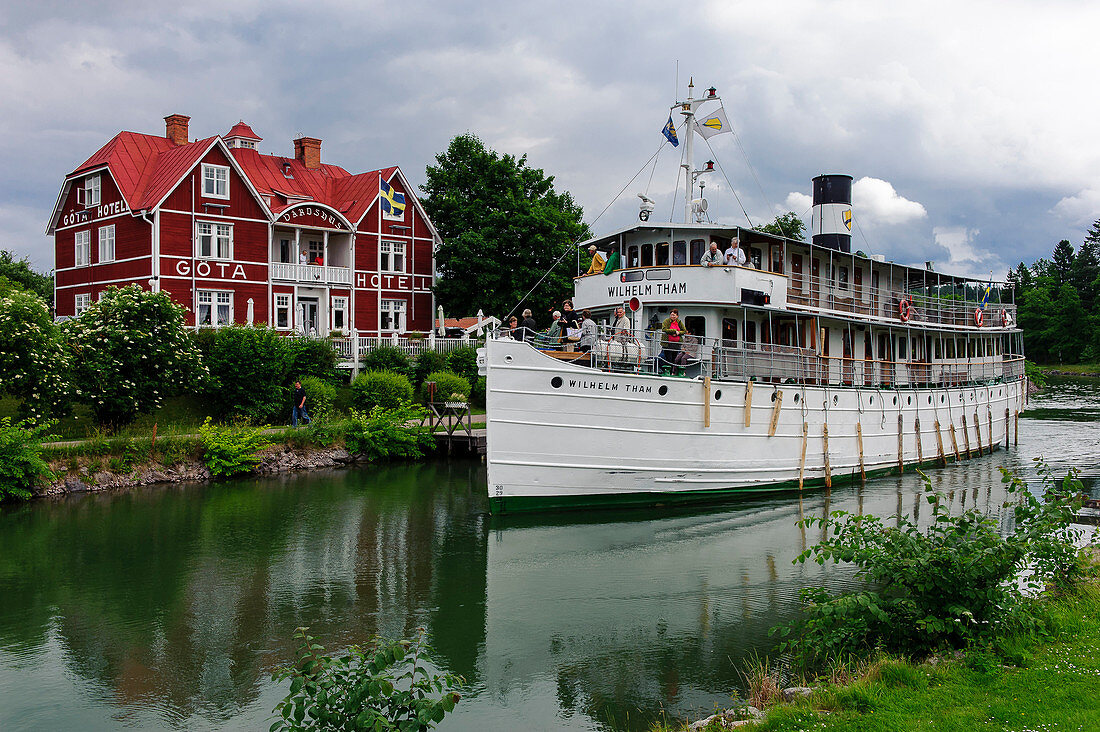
(219, 233)
(90, 194)
(82, 248)
(389, 252)
(339, 305)
(391, 316)
(81, 303)
(215, 181)
(107, 243)
(282, 303)
(213, 301)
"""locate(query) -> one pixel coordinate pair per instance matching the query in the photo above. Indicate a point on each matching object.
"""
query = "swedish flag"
(393, 203)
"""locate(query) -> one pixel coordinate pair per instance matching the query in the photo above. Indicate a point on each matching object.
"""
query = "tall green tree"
(21, 273)
(131, 350)
(34, 362)
(503, 227)
(1063, 261)
(789, 225)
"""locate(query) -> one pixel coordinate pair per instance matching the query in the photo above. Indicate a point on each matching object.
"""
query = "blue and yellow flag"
(393, 203)
(669, 131)
(988, 288)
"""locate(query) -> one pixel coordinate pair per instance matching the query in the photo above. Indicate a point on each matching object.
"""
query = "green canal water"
(169, 607)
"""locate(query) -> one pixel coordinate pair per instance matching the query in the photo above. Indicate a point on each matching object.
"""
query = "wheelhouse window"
(213, 241)
(729, 332)
(756, 257)
(215, 308)
(843, 278)
(215, 181)
(89, 195)
(107, 243)
(750, 332)
(633, 256)
(662, 254)
(698, 249)
(679, 252)
(82, 248)
(777, 259)
(81, 303)
(339, 313)
(393, 315)
(282, 312)
(393, 256)
(647, 255)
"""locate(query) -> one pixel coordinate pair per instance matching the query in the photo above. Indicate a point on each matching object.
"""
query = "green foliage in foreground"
(384, 434)
(320, 398)
(21, 463)
(386, 358)
(950, 585)
(448, 386)
(383, 686)
(232, 449)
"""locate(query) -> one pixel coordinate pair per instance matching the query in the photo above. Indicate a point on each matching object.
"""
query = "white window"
(89, 195)
(83, 248)
(282, 311)
(215, 308)
(81, 303)
(215, 181)
(393, 315)
(339, 313)
(213, 241)
(107, 243)
(393, 256)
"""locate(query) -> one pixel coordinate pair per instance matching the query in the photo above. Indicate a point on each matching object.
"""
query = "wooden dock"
(461, 443)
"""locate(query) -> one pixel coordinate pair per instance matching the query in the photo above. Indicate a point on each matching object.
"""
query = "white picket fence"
(411, 346)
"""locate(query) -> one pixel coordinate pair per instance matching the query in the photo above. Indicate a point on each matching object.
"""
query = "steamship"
(808, 365)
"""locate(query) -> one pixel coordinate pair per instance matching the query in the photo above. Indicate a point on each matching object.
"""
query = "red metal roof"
(242, 130)
(148, 167)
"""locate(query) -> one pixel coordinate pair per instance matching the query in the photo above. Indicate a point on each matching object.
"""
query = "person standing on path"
(299, 406)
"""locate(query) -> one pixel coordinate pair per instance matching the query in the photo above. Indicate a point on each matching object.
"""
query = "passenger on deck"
(598, 261)
(689, 350)
(513, 328)
(735, 255)
(529, 327)
(712, 257)
(588, 333)
(554, 333)
(672, 330)
(620, 326)
(568, 316)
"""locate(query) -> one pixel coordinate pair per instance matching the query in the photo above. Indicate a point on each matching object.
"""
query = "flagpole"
(688, 110)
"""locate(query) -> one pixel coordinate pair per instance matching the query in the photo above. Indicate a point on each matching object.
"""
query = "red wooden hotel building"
(237, 236)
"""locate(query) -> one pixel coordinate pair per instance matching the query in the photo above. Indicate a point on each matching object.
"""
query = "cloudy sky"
(969, 126)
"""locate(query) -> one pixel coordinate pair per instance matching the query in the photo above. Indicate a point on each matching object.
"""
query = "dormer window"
(287, 172)
(215, 181)
(89, 195)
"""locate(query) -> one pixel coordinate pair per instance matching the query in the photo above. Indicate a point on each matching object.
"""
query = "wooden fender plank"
(748, 403)
(825, 445)
(966, 438)
(939, 443)
(859, 442)
(775, 413)
(706, 401)
(978, 432)
(954, 443)
(802, 462)
(901, 453)
(920, 449)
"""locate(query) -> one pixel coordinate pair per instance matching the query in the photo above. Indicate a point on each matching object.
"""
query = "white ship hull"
(563, 436)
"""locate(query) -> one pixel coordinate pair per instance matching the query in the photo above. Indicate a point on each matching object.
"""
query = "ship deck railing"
(641, 352)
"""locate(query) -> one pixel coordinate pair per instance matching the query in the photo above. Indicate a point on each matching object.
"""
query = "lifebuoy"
(979, 317)
(905, 310)
(1006, 319)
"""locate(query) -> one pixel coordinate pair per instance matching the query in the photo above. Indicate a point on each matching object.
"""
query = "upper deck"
(660, 266)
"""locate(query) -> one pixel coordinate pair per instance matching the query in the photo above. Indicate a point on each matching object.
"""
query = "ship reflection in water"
(170, 607)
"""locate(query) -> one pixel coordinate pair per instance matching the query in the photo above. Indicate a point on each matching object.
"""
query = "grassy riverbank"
(1070, 368)
(1038, 681)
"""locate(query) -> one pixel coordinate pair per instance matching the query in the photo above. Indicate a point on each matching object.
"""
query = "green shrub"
(385, 685)
(463, 361)
(380, 389)
(426, 363)
(231, 449)
(249, 373)
(950, 585)
(320, 398)
(21, 462)
(446, 385)
(312, 357)
(317, 433)
(477, 391)
(386, 358)
(389, 433)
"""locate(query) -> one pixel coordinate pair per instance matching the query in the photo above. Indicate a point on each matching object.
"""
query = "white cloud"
(1081, 209)
(876, 202)
(964, 257)
(798, 202)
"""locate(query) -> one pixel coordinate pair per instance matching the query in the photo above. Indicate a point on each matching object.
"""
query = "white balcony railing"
(311, 273)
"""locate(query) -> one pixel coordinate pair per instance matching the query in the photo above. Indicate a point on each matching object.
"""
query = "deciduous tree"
(34, 363)
(503, 227)
(789, 225)
(20, 272)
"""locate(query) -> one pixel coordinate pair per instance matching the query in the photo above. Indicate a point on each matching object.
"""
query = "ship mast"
(687, 109)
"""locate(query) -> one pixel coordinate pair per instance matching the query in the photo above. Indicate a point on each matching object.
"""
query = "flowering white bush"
(130, 350)
(34, 365)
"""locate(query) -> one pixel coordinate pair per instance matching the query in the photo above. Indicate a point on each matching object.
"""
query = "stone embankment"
(275, 460)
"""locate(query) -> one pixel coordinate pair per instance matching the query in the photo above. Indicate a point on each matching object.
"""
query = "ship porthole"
(929, 398)
(895, 401)
(663, 390)
(556, 382)
(796, 398)
(773, 396)
(717, 395)
(834, 400)
(909, 400)
(507, 359)
(941, 398)
(871, 400)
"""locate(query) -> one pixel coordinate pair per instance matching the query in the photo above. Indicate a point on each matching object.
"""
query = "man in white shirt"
(735, 255)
